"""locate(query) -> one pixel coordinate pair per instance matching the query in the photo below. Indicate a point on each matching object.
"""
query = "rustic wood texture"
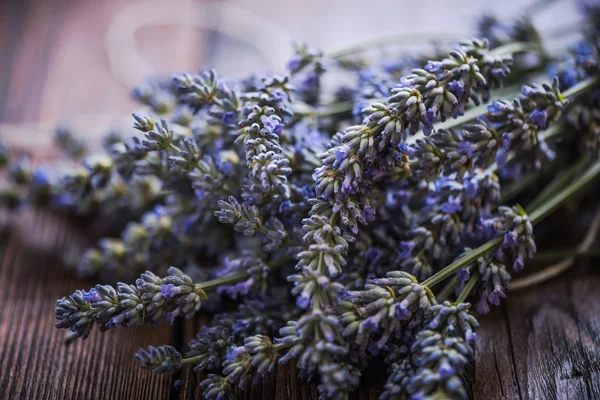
(540, 344)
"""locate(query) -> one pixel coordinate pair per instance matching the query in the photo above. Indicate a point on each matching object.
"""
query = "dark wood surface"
(543, 343)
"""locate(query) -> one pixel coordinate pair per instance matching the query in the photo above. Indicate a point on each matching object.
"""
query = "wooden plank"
(35, 361)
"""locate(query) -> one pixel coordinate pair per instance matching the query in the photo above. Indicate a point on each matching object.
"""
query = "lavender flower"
(161, 360)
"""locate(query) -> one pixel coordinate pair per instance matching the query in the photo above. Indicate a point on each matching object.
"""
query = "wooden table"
(540, 344)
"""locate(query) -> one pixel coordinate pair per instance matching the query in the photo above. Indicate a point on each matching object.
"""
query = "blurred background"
(76, 61)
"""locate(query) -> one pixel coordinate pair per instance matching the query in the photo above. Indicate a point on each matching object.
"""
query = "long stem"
(346, 50)
(558, 182)
(224, 280)
(535, 217)
(548, 208)
(447, 290)
(581, 87)
(467, 289)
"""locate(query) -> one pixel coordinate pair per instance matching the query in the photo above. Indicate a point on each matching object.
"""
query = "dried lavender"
(327, 226)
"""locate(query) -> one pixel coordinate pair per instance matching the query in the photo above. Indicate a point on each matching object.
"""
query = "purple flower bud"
(457, 87)
(401, 312)
(368, 213)
(229, 118)
(91, 296)
(445, 369)
(406, 249)
(464, 274)
(272, 124)
(452, 206)
(465, 148)
(510, 239)
(170, 318)
(169, 290)
(482, 306)
(496, 295)
(311, 80)
(294, 63)
(495, 107)
(539, 118)
(371, 324)
(519, 263)
(341, 153)
(430, 116)
(470, 336)
(498, 73)
(433, 66)
(527, 91)
(471, 187)
(303, 301)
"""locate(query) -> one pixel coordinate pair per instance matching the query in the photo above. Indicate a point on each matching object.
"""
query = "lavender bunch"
(330, 242)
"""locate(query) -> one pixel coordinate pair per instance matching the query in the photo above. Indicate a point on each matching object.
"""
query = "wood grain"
(540, 344)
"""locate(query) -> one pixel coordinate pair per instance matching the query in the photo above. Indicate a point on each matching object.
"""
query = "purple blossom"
(452, 205)
(430, 116)
(170, 318)
(229, 118)
(498, 73)
(465, 148)
(539, 118)
(459, 110)
(496, 295)
(371, 323)
(401, 311)
(368, 213)
(294, 63)
(303, 301)
(169, 290)
(91, 296)
(427, 128)
(464, 274)
(445, 369)
(457, 87)
(273, 124)
(528, 91)
(433, 66)
(495, 108)
(482, 306)
(471, 187)
(406, 249)
(470, 336)
(341, 152)
(312, 79)
(519, 263)
(510, 239)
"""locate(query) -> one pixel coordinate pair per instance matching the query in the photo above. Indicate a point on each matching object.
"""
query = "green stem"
(535, 217)
(281, 346)
(558, 182)
(333, 109)
(467, 289)
(565, 253)
(224, 280)
(515, 48)
(346, 50)
(581, 87)
(464, 261)
(447, 290)
(546, 209)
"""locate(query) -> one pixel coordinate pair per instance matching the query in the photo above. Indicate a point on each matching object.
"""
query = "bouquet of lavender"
(327, 222)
